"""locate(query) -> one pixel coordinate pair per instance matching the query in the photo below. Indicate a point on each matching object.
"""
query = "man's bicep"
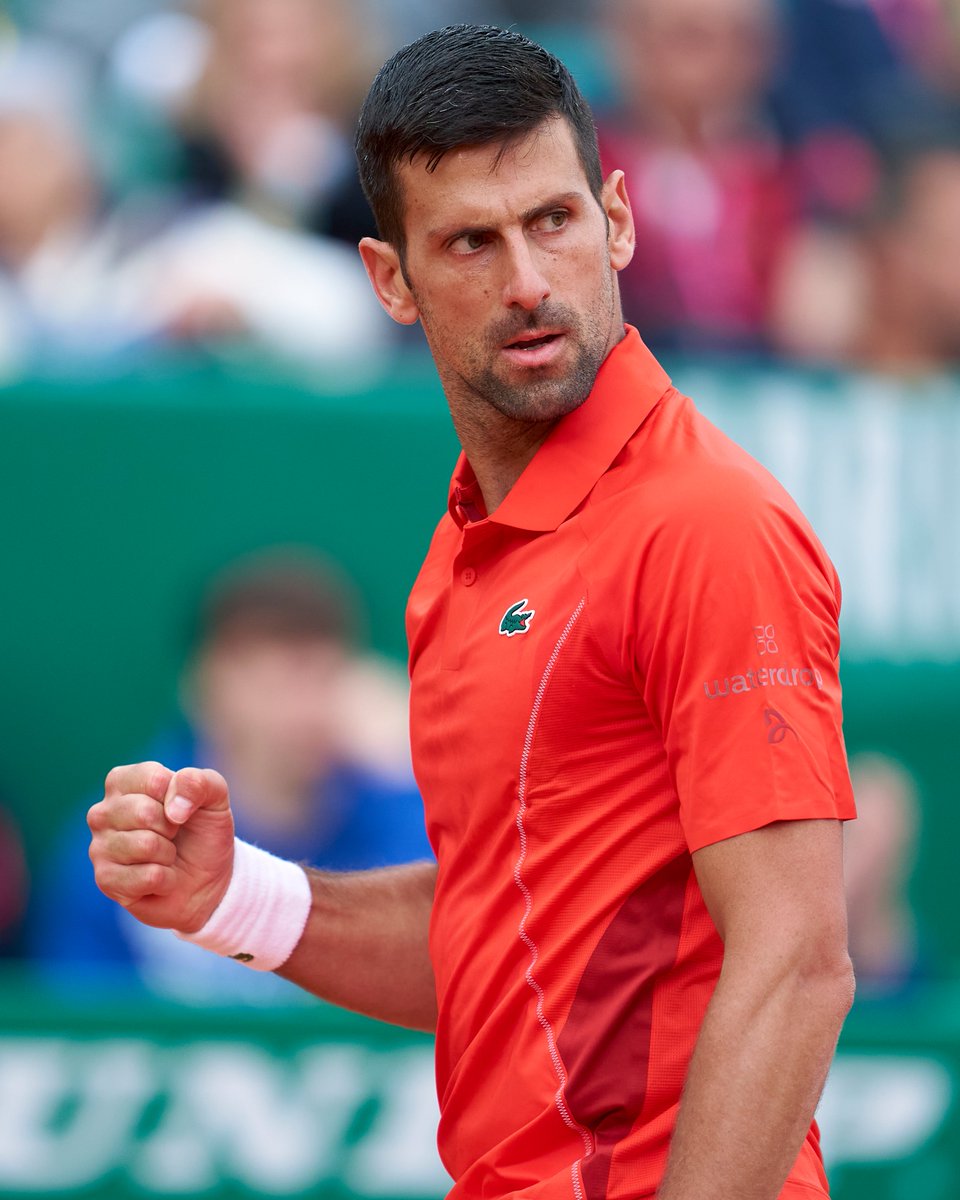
(778, 889)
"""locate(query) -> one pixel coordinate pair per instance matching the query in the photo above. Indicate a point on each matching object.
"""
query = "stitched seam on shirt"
(525, 892)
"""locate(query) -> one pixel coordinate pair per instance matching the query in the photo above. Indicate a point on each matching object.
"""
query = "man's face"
(510, 262)
(275, 700)
(696, 59)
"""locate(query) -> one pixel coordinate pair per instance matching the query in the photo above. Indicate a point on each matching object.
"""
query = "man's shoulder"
(683, 500)
(680, 468)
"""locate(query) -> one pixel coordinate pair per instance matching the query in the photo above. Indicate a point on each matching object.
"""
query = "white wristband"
(262, 914)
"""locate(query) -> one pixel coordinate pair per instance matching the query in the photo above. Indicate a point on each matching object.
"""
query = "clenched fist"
(162, 843)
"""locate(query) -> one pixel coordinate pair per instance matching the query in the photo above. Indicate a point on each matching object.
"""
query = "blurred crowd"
(181, 174)
(795, 175)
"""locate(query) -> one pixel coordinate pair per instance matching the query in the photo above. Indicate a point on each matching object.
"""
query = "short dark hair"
(465, 85)
(284, 594)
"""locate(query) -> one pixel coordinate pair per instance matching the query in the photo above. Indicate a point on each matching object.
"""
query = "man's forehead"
(542, 159)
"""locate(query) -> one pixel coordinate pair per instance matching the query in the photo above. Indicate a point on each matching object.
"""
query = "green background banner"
(123, 1098)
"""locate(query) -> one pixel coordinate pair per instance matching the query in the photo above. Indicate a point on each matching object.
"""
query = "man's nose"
(525, 285)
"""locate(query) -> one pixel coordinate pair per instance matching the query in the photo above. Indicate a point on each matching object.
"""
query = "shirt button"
(469, 577)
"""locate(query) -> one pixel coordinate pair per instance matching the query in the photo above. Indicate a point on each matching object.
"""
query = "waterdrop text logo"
(765, 677)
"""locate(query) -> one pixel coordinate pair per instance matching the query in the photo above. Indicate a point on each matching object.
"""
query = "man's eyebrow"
(447, 232)
(555, 202)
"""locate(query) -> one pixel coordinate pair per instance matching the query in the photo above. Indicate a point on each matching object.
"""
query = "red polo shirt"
(634, 657)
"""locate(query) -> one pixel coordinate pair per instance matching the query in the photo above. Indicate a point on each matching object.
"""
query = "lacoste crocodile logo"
(517, 618)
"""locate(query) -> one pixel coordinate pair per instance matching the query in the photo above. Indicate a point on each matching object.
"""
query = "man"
(625, 708)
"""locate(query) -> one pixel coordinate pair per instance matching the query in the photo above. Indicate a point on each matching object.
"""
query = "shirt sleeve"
(737, 659)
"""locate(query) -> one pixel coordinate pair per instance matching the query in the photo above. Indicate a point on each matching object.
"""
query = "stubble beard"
(543, 396)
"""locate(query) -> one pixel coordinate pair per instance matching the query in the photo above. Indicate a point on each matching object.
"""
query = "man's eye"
(468, 242)
(553, 220)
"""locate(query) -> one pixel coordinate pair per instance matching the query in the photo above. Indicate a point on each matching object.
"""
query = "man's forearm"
(365, 944)
(760, 1063)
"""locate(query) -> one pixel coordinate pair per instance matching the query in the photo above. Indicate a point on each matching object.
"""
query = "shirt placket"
(469, 575)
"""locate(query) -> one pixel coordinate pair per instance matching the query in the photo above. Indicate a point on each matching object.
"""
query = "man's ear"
(621, 236)
(386, 276)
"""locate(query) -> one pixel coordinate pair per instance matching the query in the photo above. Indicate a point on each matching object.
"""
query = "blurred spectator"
(56, 257)
(47, 195)
(263, 95)
(311, 737)
(13, 886)
(879, 855)
(710, 190)
(838, 69)
(81, 279)
(912, 319)
(850, 66)
(883, 294)
(224, 276)
(852, 77)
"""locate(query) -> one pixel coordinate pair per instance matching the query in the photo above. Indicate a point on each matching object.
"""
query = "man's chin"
(539, 400)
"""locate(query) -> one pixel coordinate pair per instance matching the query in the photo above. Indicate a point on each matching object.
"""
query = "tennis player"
(625, 714)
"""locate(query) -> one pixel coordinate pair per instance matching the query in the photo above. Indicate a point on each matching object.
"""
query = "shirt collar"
(579, 448)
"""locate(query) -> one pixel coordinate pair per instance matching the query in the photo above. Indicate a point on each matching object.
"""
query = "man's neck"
(497, 448)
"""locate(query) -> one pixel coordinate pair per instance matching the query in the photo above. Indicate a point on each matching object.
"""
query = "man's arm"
(776, 897)
(365, 944)
(162, 846)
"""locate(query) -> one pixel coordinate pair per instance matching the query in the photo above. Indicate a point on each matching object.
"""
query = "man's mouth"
(536, 349)
(531, 341)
